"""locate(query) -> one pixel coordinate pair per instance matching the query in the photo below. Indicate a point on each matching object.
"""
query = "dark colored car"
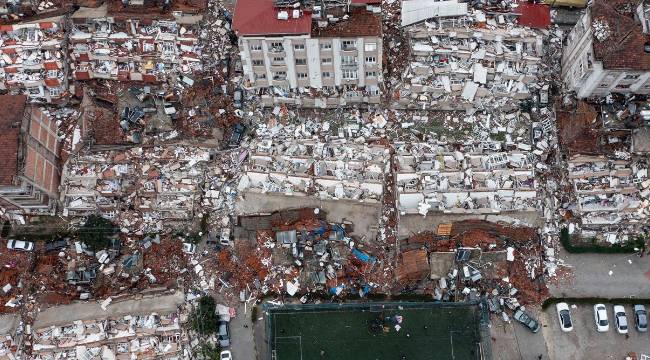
(56, 245)
(237, 134)
(640, 318)
(223, 334)
(238, 98)
(527, 320)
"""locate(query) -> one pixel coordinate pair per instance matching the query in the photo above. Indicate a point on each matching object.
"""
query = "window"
(55, 92)
(258, 62)
(327, 61)
(349, 44)
(327, 75)
(52, 73)
(603, 85)
(371, 59)
(168, 47)
(280, 75)
(326, 46)
(623, 86)
(373, 91)
(349, 74)
(278, 59)
(299, 47)
(371, 74)
(34, 91)
(260, 76)
(301, 61)
(256, 47)
(370, 46)
(277, 44)
(348, 60)
(301, 75)
(632, 77)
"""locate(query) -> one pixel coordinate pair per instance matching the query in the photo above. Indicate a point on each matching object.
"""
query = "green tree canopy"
(96, 232)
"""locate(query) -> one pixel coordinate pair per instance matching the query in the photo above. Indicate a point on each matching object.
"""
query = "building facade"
(606, 51)
(31, 170)
(303, 57)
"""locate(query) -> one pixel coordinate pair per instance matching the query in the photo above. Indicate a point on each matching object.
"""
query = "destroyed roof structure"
(311, 55)
(108, 42)
(34, 62)
(462, 58)
(608, 50)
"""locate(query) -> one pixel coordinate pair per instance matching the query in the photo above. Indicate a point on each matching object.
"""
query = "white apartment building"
(608, 50)
(306, 58)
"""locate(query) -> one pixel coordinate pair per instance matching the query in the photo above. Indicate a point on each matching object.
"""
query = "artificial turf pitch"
(344, 334)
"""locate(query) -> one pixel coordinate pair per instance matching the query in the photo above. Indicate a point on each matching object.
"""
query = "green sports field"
(428, 331)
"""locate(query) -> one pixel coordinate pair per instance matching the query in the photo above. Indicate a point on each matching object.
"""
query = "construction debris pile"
(468, 59)
(131, 336)
(467, 260)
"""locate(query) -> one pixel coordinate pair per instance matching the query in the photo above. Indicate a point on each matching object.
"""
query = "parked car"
(225, 355)
(56, 245)
(237, 98)
(223, 334)
(600, 315)
(527, 320)
(564, 315)
(189, 248)
(640, 318)
(20, 245)
(621, 319)
(237, 135)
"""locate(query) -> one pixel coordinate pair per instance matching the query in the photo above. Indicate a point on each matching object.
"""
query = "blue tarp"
(363, 256)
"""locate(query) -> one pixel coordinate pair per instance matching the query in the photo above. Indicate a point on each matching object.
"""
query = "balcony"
(276, 49)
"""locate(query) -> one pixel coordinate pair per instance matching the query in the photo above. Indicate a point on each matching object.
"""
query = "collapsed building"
(136, 41)
(476, 180)
(462, 58)
(142, 189)
(33, 58)
(332, 170)
(147, 336)
(607, 50)
(325, 55)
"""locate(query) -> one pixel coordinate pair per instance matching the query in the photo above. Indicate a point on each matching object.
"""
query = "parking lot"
(584, 342)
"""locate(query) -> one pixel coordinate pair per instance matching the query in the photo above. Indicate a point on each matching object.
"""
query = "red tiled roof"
(81, 75)
(624, 48)
(534, 15)
(52, 82)
(260, 17)
(50, 65)
(13, 107)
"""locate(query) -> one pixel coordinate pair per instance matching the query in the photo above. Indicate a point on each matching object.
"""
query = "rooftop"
(260, 17)
(360, 23)
(13, 108)
(619, 38)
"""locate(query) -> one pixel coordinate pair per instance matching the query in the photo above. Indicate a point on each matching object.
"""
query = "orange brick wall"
(41, 164)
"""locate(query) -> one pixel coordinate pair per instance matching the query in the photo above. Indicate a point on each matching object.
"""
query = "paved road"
(630, 276)
(512, 341)
(241, 332)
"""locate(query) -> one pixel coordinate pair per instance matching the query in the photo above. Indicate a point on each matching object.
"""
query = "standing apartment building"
(29, 157)
(309, 55)
(609, 50)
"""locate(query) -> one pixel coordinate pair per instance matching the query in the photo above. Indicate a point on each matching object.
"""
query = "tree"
(204, 318)
(96, 232)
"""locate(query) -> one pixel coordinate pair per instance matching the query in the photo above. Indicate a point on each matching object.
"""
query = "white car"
(621, 319)
(564, 315)
(600, 315)
(20, 245)
(189, 248)
(225, 355)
